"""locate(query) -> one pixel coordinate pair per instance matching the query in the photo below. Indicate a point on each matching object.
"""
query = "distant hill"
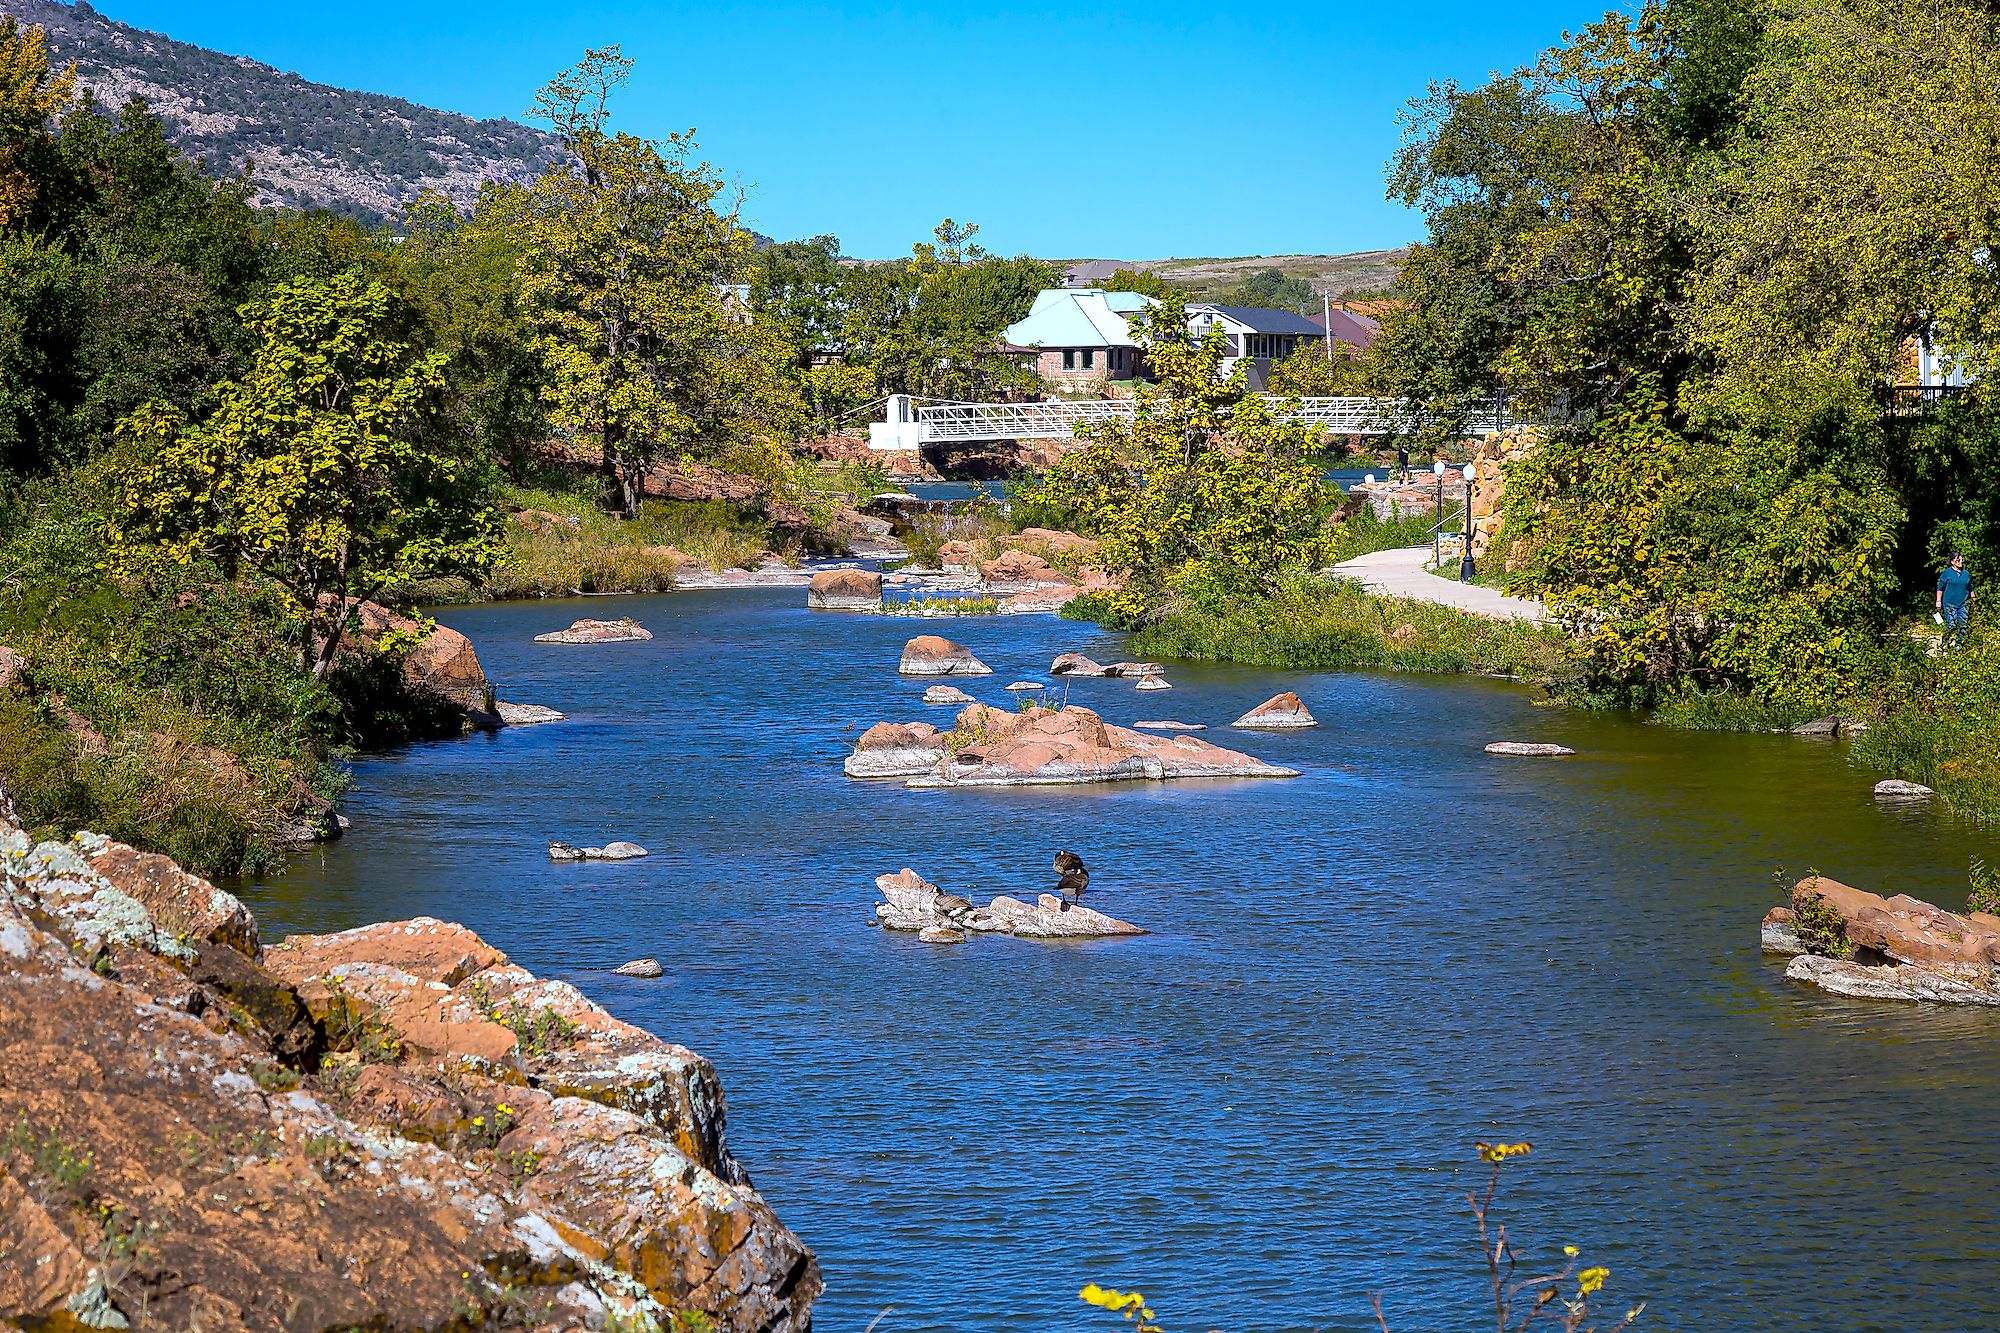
(309, 146)
(1334, 275)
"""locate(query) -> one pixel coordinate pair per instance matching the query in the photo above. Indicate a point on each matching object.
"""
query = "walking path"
(1401, 573)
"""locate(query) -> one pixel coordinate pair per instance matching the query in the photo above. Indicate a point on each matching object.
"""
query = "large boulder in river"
(626, 630)
(1280, 712)
(1043, 747)
(895, 750)
(388, 1127)
(1905, 947)
(933, 655)
(1021, 567)
(911, 902)
(845, 590)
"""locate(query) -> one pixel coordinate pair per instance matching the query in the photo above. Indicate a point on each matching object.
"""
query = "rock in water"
(1024, 686)
(845, 590)
(1041, 747)
(1904, 947)
(610, 851)
(1819, 726)
(1895, 789)
(896, 750)
(1280, 712)
(526, 715)
(1075, 664)
(1153, 683)
(947, 694)
(911, 902)
(1172, 726)
(627, 630)
(1531, 749)
(931, 655)
(645, 968)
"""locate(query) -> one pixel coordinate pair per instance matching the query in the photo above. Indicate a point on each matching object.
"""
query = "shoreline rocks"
(1529, 749)
(1902, 948)
(1076, 664)
(626, 630)
(1040, 747)
(1280, 712)
(933, 655)
(388, 1126)
(913, 903)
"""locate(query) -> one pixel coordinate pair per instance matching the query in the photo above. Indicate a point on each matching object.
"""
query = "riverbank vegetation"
(222, 426)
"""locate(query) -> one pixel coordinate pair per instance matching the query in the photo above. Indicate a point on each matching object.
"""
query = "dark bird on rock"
(1075, 878)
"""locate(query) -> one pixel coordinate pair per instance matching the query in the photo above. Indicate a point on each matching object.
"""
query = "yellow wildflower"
(1500, 1152)
(1571, 1251)
(1590, 1279)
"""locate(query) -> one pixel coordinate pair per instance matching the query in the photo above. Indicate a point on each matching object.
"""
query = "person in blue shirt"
(1954, 600)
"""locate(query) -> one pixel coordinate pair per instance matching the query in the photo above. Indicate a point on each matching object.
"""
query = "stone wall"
(1489, 479)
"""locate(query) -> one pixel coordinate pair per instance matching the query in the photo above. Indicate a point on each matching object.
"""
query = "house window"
(1069, 358)
(1090, 358)
(1115, 358)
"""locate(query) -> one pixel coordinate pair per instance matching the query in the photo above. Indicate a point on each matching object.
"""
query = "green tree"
(1204, 496)
(623, 265)
(321, 469)
(31, 93)
(1143, 281)
(1275, 289)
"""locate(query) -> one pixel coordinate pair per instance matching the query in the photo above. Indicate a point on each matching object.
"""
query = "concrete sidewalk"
(1401, 573)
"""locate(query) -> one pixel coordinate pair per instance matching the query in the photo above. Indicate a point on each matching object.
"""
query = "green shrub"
(1727, 710)
(1365, 534)
(1820, 928)
(1984, 883)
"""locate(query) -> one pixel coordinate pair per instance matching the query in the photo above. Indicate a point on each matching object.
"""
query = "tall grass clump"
(1316, 622)
(1364, 534)
(1727, 710)
(1940, 725)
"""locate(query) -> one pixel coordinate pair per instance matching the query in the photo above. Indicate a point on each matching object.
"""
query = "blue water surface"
(1265, 1110)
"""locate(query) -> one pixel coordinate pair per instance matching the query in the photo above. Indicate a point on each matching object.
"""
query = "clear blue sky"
(1134, 131)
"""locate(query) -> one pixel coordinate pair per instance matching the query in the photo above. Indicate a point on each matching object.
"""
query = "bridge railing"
(926, 422)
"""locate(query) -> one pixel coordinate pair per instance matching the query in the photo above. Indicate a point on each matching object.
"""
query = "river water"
(1266, 1109)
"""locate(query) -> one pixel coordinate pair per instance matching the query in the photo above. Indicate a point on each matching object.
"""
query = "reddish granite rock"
(1278, 713)
(1052, 542)
(845, 590)
(957, 555)
(895, 750)
(1075, 664)
(932, 655)
(1042, 746)
(13, 667)
(336, 1139)
(1021, 567)
(1905, 948)
(442, 662)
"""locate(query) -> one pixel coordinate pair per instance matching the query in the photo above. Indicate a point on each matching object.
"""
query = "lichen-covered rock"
(947, 694)
(526, 715)
(845, 590)
(1897, 789)
(627, 630)
(1887, 982)
(347, 1130)
(911, 902)
(932, 655)
(1529, 749)
(1778, 935)
(1280, 712)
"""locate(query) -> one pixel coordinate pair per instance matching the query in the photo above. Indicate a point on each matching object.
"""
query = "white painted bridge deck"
(910, 422)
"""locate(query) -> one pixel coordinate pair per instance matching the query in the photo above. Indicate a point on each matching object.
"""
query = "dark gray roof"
(1269, 321)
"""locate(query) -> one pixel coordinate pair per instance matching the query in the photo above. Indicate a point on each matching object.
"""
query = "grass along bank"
(1315, 622)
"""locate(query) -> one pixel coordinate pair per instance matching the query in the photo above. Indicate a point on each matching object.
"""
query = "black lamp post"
(1465, 544)
(1437, 512)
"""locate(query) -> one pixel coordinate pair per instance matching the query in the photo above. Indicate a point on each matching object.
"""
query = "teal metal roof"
(1078, 319)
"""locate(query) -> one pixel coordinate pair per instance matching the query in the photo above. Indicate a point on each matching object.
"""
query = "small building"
(1258, 338)
(1351, 327)
(1081, 339)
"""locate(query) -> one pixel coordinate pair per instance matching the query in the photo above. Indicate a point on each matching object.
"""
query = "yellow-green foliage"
(1205, 483)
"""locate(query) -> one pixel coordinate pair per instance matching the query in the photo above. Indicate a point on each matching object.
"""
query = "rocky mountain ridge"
(306, 145)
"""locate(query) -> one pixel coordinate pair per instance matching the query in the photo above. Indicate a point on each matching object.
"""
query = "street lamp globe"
(1369, 479)
(1437, 467)
(1466, 472)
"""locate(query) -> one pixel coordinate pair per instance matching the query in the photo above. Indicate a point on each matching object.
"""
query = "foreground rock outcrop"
(845, 590)
(1901, 948)
(911, 902)
(1040, 747)
(391, 1127)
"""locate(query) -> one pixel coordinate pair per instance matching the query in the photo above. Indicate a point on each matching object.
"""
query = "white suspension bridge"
(911, 422)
